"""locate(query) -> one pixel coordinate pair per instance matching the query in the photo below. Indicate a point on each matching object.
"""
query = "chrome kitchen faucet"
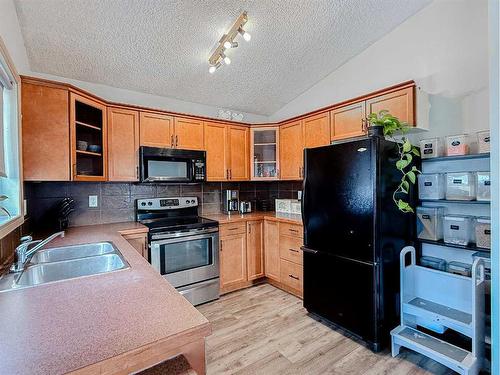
(23, 255)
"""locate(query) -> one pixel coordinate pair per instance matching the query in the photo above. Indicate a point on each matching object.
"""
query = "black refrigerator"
(353, 234)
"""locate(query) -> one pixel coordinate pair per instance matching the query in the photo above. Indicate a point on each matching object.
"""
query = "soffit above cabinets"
(162, 48)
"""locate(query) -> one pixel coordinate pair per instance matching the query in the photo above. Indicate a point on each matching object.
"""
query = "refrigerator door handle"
(307, 250)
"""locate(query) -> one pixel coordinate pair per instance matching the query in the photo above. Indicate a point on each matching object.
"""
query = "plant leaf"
(411, 176)
(405, 186)
(415, 151)
(406, 145)
(3, 197)
(401, 164)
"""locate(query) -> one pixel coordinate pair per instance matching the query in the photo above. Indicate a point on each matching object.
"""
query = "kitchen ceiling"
(162, 47)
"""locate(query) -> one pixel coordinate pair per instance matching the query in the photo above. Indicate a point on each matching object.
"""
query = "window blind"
(5, 84)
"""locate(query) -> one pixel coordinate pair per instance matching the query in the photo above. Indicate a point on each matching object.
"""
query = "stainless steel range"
(183, 247)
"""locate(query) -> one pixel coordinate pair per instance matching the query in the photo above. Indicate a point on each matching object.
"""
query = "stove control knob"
(150, 203)
(187, 201)
(143, 203)
(192, 201)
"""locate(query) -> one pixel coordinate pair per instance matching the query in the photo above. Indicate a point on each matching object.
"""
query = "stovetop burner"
(171, 214)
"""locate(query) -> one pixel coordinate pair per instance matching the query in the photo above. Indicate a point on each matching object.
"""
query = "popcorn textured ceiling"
(162, 47)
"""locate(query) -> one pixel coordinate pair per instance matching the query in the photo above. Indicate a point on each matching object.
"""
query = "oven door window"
(185, 255)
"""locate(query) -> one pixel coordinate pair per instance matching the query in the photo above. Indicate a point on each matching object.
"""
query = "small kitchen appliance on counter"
(183, 247)
(231, 200)
(245, 207)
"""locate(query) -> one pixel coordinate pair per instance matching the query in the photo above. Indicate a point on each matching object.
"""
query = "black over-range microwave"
(172, 165)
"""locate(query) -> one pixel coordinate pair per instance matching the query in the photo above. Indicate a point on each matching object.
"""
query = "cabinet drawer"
(290, 249)
(291, 274)
(291, 230)
(232, 228)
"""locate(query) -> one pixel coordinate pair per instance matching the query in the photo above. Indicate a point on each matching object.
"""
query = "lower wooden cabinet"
(139, 242)
(255, 249)
(252, 250)
(271, 249)
(291, 275)
(233, 260)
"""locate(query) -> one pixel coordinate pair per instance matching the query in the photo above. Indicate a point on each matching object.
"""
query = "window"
(10, 165)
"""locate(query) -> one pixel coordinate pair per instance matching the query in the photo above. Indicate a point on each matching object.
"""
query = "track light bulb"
(213, 68)
(227, 60)
(245, 35)
(227, 44)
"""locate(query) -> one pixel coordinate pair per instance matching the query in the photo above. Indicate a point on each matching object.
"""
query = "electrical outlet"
(93, 201)
(299, 195)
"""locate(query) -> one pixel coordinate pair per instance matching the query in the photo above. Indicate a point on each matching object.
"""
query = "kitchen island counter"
(116, 322)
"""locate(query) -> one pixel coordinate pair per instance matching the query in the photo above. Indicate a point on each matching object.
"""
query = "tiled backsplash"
(116, 200)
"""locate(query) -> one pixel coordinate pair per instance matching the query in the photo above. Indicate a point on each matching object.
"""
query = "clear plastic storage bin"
(483, 142)
(459, 268)
(434, 263)
(431, 148)
(457, 145)
(482, 231)
(461, 186)
(431, 186)
(457, 229)
(430, 223)
(483, 187)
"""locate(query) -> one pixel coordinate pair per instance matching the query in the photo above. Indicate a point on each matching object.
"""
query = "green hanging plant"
(392, 127)
(2, 198)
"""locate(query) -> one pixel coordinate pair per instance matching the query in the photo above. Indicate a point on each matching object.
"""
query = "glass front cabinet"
(264, 152)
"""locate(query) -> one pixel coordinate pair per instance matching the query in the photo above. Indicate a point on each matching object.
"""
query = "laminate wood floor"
(263, 330)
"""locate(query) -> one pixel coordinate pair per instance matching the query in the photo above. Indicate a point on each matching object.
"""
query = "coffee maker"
(231, 199)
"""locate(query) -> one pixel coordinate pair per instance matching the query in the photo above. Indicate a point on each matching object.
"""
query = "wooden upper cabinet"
(123, 144)
(271, 249)
(188, 133)
(233, 260)
(216, 148)
(347, 121)
(156, 130)
(255, 249)
(238, 153)
(317, 130)
(88, 138)
(291, 151)
(399, 103)
(45, 130)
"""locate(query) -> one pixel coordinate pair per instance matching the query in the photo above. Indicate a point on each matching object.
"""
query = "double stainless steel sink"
(67, 262)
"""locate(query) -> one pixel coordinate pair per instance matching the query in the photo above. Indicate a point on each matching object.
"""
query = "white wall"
(10, 32)
(444, 48)
(147, 100)
(11, 35)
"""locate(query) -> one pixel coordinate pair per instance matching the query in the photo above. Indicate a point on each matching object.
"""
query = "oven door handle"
(155, 237)
(159, 242)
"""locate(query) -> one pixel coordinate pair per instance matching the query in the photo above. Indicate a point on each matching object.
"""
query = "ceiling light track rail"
(218, 57)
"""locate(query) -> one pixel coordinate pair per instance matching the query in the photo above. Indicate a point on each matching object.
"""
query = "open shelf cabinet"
(264, 143)
(88, 128)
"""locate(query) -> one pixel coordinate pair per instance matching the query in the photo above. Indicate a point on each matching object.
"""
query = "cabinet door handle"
(293, 277)
(232, 228)
(221, 245)
(176, 141)
(293, 230)
(172, 141)
(227, 174)
(295, 251)
(230, 174)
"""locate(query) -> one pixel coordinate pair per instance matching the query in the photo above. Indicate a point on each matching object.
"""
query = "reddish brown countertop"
(258, 215)
(59, 327)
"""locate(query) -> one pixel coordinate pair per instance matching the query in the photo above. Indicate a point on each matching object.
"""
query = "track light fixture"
(227, 42)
